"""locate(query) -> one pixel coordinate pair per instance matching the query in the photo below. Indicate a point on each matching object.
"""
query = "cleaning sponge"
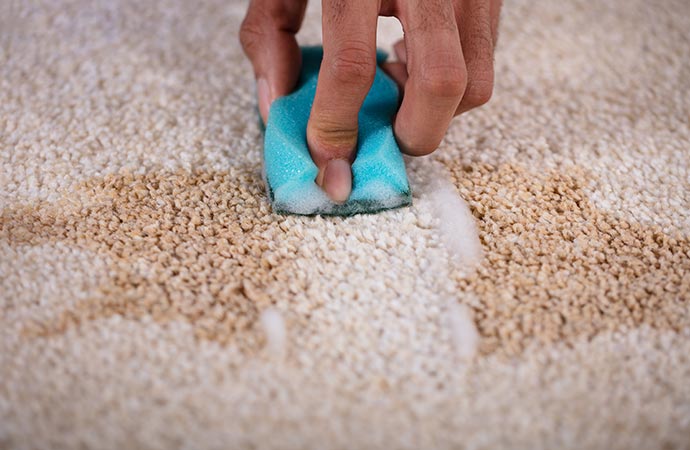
(379, 180)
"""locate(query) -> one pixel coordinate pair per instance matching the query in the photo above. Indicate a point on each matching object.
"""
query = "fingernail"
(264, 94)
(337, 180)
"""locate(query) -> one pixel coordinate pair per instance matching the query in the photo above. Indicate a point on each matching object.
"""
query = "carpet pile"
(535, 295)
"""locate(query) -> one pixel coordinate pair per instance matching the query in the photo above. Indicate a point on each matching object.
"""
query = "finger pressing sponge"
(379, 180)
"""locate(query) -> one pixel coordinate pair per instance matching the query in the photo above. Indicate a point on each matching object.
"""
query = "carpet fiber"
(535, 295)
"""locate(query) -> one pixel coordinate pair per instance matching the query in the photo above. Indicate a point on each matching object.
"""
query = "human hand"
(445, 68)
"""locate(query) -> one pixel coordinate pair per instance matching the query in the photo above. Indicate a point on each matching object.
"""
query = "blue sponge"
(379, 180)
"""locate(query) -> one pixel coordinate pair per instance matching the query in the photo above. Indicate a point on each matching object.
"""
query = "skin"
(444, 68)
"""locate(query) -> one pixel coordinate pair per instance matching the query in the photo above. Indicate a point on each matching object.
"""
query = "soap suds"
(464, 333)
(455, 222)
(273, 325)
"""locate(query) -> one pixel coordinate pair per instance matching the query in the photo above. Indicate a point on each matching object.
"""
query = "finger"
(475, 27)
(267, 36)
(437, 75)
(495, 10)
(400, 51)
(398, 72)
(347, 72)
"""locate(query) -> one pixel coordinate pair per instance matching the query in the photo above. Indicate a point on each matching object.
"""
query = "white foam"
(464, 333)
(309, 199)
(273, 325)
(456, 225)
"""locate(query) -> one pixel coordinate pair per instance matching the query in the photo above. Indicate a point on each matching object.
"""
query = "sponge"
(379, 180)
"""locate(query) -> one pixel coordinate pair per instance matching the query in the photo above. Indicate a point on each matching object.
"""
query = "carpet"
(535, 295)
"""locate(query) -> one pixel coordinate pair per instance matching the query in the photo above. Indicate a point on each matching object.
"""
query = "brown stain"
(181, 246)
(557, 268)
(192, 247)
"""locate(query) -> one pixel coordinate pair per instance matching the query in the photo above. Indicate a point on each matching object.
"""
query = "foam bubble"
(464, 333)
(273, 325)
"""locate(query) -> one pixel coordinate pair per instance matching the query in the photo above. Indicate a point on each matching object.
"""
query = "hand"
(445, 68)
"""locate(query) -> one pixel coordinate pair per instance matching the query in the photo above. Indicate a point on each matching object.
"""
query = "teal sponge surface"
(379, 180)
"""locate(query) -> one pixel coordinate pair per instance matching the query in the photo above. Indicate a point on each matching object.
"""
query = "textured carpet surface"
(536, 294)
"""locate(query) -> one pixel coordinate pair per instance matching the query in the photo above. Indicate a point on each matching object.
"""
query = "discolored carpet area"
(536, 294)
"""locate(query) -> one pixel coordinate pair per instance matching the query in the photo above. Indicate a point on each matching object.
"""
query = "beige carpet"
(536, 295)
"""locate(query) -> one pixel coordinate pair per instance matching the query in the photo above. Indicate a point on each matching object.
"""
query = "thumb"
(267, 36)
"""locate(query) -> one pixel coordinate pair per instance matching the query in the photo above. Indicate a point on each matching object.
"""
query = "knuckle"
(250, 34)
(444, 80)
(354, 64)
(479, 90)
(336, 139)
(286, 16)
(478, 95)
(281, 17)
